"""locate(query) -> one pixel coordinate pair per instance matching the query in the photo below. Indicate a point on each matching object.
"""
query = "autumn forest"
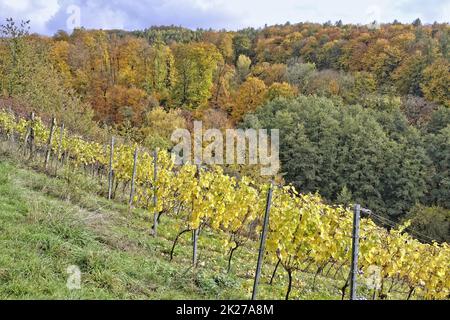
(363, 111)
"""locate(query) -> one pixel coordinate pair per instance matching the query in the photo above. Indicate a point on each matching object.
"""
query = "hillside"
(357, 114)
(363, 110)
(48, 225)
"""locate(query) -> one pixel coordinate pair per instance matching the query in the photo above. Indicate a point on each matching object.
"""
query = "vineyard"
(304, 232)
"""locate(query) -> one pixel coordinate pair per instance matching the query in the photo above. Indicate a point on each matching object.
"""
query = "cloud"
(429, 11)
(38, 11)
(118, 14)
(48, 16)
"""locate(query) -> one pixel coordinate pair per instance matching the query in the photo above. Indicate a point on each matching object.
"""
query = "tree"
(353, 52)
(59, 57)
(344, 197)
(327, 147)
(158, 125)
(223, 41)
(241, 45)
(324, 83)
(409, 75)
(439, 120)
(328, 56)
(243, 67)
(215, 119)
(430, 222)
(380, 102)
(159, 64)
(15, 64)
(382, 58)
(359, 85)
(436, 83)
(131, 65)
(195, 65)
(417, 23)
(61, 35)
(29, 77)
(124, 104)
(94, 66)
(250, 95)
(221, 92)
(438, 148)
(417, 110)
(280, 90)
(270, 73)
(299, 74)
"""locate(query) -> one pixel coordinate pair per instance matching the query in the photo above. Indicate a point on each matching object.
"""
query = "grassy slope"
(47, 225)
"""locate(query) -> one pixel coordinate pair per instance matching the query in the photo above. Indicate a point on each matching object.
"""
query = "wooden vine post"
(29, 136)
(355, 252)
(48, 151)
(155, 190)
(59, 151)
(11, 137)
(133, 177)
(195, 232)
(262, 246)
(111, 169)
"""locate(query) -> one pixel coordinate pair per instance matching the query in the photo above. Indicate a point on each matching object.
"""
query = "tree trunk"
(231, 257)
(176, 241)
(289, 271)
(274, 272)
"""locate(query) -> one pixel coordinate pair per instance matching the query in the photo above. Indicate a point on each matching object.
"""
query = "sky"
(48, 16)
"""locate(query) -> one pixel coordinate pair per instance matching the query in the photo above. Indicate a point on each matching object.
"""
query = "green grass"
(47, 225)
